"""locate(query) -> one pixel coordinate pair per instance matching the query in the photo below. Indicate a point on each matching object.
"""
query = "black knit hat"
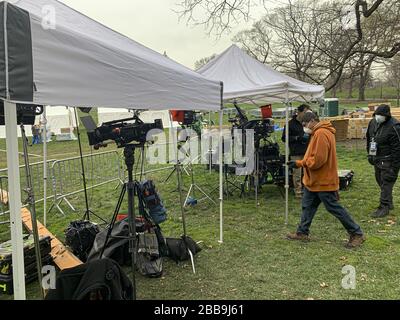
(383, 110)
(303, 107)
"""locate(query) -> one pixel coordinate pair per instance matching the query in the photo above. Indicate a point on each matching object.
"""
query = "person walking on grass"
(321, 181)
(383, 147)
(298, 141)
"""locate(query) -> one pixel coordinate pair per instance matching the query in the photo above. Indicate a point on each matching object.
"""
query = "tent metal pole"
(287, 159)
(221, 174)
(44, 138)
(14, 192)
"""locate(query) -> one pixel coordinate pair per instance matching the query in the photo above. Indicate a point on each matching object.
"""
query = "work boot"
(381, 212)
(298, 236)
(355, 240)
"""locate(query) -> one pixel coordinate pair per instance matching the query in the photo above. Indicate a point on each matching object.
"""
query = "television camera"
(122, 131)
(270, 163)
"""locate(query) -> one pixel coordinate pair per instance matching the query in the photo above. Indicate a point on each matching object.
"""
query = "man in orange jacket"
(321, 181)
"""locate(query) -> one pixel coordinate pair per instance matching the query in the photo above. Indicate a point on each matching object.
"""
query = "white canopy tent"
(248, 80)
(53, 55)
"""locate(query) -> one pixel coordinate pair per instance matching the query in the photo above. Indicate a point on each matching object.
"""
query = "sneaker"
(380, 212)
(355, 241)
(298, 236)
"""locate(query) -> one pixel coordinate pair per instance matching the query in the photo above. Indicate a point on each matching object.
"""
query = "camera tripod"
(132, 187)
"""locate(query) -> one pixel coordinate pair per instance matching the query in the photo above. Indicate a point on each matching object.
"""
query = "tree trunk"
(334, 90)
(361, 89)
(350, 95)
(364, 74)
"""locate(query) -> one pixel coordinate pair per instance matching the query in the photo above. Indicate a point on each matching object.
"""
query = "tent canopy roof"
(246, 79)
(80, 62)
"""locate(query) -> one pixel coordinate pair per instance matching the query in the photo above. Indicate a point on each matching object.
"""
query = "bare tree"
(217, 15)
(203, 61)
(255, 41)
(393, 73)
(220, 15)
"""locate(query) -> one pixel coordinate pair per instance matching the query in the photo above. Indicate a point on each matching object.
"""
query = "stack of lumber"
(358, 128)
(341, 126)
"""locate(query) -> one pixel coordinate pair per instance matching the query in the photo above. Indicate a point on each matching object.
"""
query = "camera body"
(122, 131)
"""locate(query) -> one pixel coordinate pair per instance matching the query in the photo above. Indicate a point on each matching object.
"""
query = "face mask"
(307, 130)
(380, 119)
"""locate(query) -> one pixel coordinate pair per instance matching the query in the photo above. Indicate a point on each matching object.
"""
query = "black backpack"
(178, 248)
(79, 236)
(150, 203)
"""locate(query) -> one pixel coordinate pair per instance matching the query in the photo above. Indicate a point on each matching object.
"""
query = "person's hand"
(305, 137)
(292, 164)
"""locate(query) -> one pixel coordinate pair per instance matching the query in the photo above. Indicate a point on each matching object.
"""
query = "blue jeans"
(310, 204)
(35, 139)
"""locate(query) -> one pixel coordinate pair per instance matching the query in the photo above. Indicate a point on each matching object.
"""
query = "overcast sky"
(154, 24)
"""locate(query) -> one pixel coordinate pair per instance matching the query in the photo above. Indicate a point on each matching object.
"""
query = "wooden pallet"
(3, 196)
(63, 258)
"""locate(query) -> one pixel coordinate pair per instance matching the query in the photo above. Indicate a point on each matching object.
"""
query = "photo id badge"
(372, 148)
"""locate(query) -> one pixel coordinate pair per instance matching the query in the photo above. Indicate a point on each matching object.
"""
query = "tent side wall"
(16, 62)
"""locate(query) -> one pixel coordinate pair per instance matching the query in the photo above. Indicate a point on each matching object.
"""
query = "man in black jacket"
(298, 142)
(383, 147)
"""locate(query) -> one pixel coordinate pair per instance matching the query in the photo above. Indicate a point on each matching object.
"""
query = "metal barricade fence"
(67, 180)
(37, 184)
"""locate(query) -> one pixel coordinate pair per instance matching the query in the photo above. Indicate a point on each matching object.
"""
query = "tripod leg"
(170, 175)
(205, 194)
(114, 218)
(192, 260)
(179, 175)
(188, 195)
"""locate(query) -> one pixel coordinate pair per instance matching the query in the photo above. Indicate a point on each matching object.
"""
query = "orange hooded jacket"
(319, 162)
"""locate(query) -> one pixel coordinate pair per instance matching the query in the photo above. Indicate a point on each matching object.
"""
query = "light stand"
(88, 212)
(193, 185)
(132, 187)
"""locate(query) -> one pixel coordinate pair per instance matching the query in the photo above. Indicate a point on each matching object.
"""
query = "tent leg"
(44, 138)
(221, 174)
(10, 111)
(287, 160)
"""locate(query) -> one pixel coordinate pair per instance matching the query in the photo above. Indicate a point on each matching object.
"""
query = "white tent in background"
(248, 80)
(75, 61)
(28, 132)
(60, 118)
(57, 118)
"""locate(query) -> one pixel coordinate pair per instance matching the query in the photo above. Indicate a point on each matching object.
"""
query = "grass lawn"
(256, 261)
